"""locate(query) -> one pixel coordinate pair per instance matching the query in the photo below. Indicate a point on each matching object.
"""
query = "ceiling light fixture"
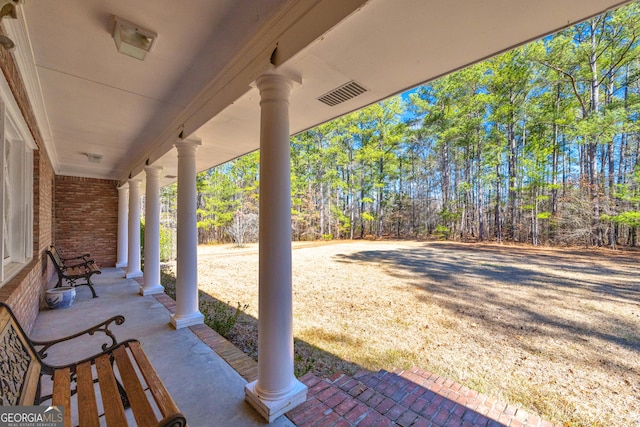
(131, 39)
(94, 158)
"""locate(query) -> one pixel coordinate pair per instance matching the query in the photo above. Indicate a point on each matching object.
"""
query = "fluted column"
(187, 311)
(123, 212)
(152, 233)
(133, 253)
(276, 390)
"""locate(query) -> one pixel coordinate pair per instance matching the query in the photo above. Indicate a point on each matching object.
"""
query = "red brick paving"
(413, 398)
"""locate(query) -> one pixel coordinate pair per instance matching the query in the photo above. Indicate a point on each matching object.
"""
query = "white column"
(152, 233)
(123, 212)
(187, 310)
(276, 390)
(133, 255)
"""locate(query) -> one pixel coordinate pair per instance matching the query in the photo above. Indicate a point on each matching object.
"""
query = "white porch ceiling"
(197, 79)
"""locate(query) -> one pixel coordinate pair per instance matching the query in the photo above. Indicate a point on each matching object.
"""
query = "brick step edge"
(413, 397)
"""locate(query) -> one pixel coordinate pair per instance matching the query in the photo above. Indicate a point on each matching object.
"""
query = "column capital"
(153, 171)
(273, 87)
(123, 187)
(134, 183)
(186, 147)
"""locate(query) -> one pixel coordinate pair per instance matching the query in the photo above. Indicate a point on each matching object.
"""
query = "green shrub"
(218, 316)
(303, 360)
(168, 281)
(442, 232)
(166, 244)
(302, 365)
(142, 236)
(221, 317)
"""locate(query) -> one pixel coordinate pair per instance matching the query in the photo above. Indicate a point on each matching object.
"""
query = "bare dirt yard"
(554, 331)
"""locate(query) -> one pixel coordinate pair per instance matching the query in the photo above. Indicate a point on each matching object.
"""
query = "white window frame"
(17, 141)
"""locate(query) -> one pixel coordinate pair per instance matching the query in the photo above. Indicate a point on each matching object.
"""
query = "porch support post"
(123, 213)
(152, 233)
(133, 255)
(187, 310)
(276, 390)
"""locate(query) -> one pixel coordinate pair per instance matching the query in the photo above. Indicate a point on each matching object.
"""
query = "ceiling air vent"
(343, 93)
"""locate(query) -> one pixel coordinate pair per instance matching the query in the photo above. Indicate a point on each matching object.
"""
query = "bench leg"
(90, 285)
(93, 292)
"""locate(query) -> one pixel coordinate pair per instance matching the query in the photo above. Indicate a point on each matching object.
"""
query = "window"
(16, 200)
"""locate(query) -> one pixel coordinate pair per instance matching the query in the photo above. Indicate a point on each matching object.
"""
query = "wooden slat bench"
(71, 261)
(116, 379)
(72, 269)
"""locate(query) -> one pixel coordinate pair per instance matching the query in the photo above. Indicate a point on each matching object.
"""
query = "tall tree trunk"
(554, 170)
(445, 175)
(379, 210)
(480, 193)
(321, 208)
(566, 167)
(400, 207)
(498, 217)
(362, 207)
(534, 218)
(512, 177)
(594, 107)
(622, 161)
(467, 208)
(351, 204)
(414, 195)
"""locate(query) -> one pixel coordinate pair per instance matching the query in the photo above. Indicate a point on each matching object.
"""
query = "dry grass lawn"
(554, 331)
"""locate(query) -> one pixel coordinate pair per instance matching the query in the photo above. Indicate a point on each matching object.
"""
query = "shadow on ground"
(471, 279)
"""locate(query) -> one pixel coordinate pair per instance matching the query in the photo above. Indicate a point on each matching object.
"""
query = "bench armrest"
(43, 346)
(175, 420)
(84, 266)
(79, 263)
(84, 257)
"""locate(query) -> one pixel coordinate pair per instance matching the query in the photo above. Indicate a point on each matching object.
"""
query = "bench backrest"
(19, 363)
(57, 262)
(55, 256)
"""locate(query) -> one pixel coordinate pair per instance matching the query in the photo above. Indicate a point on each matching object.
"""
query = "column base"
(272, 409)
(184, 320)
(151, 290)
(131, 275)
(121, 265)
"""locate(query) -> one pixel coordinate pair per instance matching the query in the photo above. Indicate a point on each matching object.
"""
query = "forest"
(539, 145)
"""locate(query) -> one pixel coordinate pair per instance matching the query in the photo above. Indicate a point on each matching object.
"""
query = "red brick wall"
(25, 291)
(86, 213)
(87, 210)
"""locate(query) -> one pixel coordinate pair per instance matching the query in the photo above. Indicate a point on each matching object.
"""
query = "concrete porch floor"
(206, 389)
